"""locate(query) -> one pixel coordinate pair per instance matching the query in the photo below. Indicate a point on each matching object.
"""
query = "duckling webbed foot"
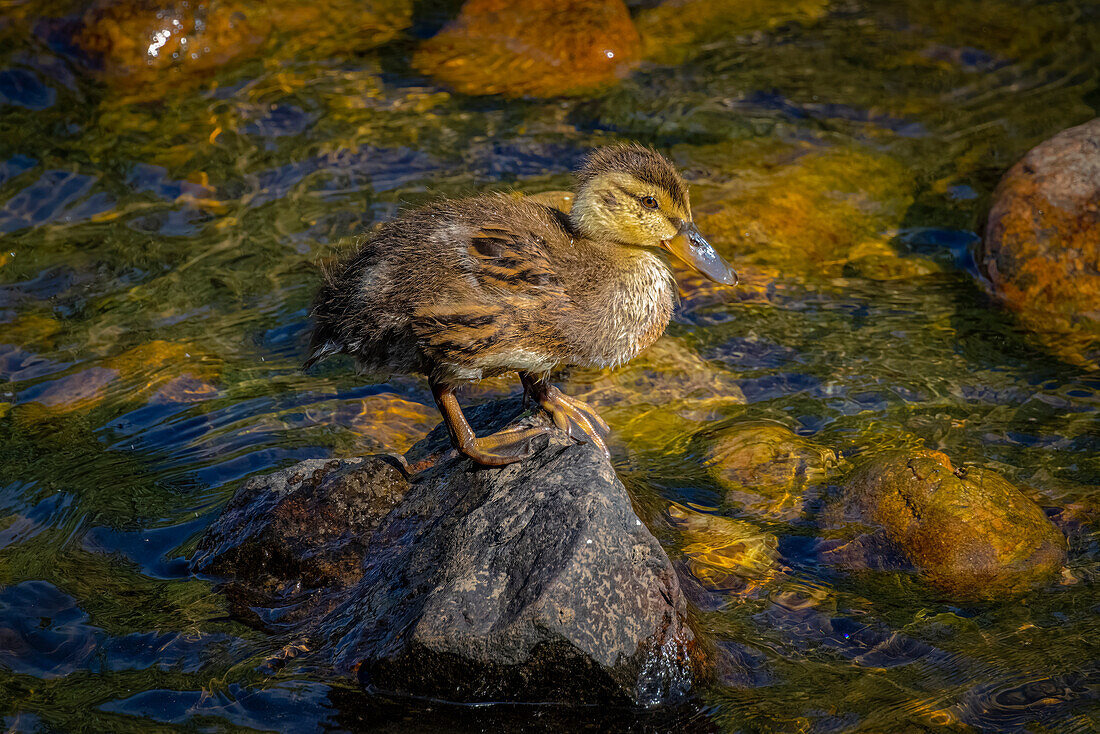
(502, 448)
(578, 419)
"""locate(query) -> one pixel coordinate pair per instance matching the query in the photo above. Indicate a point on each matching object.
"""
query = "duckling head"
(633, 196)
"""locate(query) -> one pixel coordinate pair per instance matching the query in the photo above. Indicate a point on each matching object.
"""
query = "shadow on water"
(380, 713)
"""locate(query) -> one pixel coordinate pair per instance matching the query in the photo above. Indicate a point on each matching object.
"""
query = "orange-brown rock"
(141, 38)
(1041, 252)
(538, 48)
(967, 531)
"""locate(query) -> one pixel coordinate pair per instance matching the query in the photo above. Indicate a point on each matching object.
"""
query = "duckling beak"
(689, 246)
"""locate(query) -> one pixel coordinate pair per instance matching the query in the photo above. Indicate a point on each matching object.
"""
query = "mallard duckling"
(466, 289)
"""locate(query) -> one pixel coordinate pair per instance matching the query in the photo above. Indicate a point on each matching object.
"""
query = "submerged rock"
(141, 38)
(723, 554)
(968, 532)
(803, 209)
(667, 391)
(384, 421)
(532, 582)
(1042, 242)
(766, 470)
(538, 48)
(336, 26)
(676, 30)
(666, 372)
(158, 370)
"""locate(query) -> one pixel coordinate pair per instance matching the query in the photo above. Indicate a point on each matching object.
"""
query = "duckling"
(465, 289)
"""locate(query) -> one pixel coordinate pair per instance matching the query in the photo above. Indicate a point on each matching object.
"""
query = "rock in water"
(539, 48)
(531, 582)
(766, 470)
(968, 532)
(288, 537)
(1042, 242)
(140, 38)
(676, 30)
(151, 41)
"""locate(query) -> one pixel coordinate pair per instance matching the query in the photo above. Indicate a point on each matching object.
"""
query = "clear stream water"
(159, 243)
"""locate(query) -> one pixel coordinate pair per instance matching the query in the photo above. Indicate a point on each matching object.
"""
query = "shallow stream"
(158, 248)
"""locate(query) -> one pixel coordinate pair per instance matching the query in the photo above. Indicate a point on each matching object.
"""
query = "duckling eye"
(649, 202)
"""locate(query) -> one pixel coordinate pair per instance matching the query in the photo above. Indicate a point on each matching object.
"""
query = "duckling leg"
(573, 416)
(504, 447)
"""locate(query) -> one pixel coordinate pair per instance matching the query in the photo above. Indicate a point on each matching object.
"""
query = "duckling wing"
(504, 315)
(513, 263)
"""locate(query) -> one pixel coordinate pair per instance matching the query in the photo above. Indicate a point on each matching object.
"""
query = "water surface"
(159, 249)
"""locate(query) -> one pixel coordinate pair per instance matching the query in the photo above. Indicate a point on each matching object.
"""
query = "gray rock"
(531, 582)
(307, 524)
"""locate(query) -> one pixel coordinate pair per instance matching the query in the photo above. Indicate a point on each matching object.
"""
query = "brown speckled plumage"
(470, 288)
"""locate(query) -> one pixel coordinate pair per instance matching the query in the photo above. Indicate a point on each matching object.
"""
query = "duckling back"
(460, 289)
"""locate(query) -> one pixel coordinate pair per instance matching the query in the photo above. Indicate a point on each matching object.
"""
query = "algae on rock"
(675, 30)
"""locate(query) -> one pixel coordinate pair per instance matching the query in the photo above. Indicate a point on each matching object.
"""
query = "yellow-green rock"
(806, 210)
(765, 469)
(676, 30)
(724, 554)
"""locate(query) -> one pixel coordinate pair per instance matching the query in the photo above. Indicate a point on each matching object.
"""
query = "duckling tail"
(326, 339)
(320, 348)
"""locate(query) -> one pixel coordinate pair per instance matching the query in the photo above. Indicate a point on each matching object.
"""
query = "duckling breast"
(633, 312)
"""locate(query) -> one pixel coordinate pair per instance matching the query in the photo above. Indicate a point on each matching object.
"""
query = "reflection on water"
(159, 232)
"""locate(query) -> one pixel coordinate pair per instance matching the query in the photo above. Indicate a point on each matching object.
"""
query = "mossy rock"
(968, 532)
(765, 469)
(677, 30)
(804, 209)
